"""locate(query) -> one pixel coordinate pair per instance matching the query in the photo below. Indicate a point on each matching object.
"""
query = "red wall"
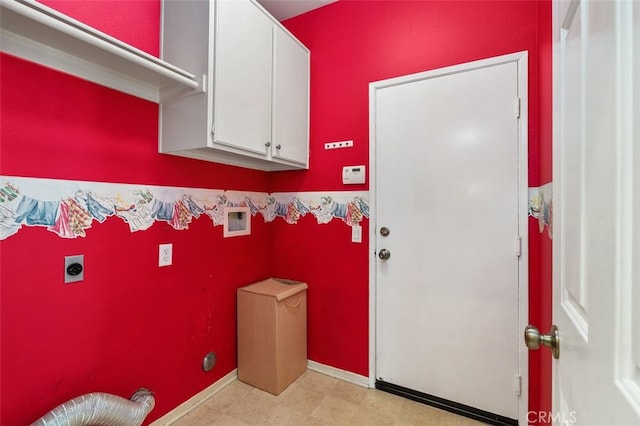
(140, 325)
(338, 303)
(540, 250)
(130, 323)
(353, 43)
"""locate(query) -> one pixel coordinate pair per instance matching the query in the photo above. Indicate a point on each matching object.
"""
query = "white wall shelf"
(37, 33)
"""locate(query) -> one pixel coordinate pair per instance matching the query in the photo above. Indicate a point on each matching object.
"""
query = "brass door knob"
(533, 339)
(384, 254)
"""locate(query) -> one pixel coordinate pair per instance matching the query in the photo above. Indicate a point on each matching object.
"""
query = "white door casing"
(596, 200)
(448, 306)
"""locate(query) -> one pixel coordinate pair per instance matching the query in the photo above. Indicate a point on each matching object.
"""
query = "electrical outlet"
(165, 254)
(73, 268)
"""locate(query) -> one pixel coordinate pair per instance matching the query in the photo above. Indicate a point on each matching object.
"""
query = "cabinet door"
(242, 88)
(290, 100)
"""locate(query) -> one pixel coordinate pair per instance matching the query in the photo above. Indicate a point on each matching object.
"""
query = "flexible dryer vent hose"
(100, 409)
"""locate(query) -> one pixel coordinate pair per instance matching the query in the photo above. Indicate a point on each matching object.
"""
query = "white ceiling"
(285, 9)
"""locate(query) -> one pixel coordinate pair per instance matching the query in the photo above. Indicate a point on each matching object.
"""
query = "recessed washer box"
(237, 221)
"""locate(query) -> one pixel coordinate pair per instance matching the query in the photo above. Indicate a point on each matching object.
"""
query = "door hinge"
(518, 107)
(518, 245)
(517, 385)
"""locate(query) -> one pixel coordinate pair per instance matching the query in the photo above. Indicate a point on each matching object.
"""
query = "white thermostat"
(353, 174)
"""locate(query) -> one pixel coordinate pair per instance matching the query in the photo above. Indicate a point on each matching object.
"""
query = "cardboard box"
(272, 333)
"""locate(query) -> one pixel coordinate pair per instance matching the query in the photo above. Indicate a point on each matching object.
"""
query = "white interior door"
(596, 210)
(448, 183)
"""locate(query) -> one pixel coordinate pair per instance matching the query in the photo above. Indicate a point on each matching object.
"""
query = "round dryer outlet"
(209, 361)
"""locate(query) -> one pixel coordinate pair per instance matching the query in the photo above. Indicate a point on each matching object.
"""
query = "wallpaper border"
(69, 208)
(541, 207)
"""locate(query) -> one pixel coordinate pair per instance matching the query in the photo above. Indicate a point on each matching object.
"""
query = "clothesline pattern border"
(69, 208)
(541, 207)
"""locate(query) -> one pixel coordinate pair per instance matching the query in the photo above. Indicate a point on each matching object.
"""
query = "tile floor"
(316, 399)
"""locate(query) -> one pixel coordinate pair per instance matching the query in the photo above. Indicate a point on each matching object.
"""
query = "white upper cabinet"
(290, 99)
(255, 111)
(242, 78)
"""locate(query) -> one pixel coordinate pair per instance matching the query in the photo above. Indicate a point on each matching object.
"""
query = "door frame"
(521, 59)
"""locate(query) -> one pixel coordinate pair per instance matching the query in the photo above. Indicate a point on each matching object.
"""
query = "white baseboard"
(193, 402)
(347, 376)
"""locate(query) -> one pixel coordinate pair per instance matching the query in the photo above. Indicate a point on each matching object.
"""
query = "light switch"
(356, 234)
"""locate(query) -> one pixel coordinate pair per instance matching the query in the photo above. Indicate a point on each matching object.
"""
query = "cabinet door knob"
(278, 146)
(268, 144)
